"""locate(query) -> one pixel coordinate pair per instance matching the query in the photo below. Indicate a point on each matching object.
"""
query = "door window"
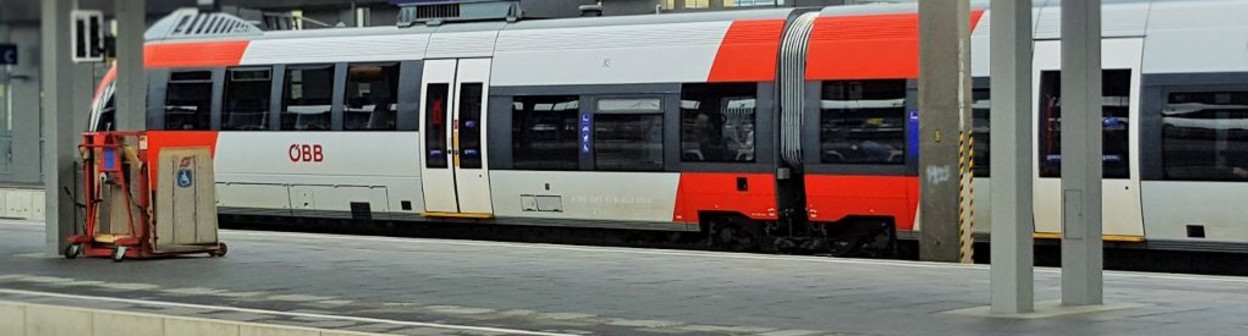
(470, 151)
(435, 125)
(1116, 91)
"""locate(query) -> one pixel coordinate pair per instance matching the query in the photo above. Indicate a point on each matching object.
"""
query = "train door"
(455, 172)
(1122, 216)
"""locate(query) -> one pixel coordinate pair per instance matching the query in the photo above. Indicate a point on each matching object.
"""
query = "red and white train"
(747, 125)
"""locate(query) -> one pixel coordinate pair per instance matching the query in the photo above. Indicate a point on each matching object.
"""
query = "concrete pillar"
(6, 110)
(131, 80)
(1081, 153)
(1012, 225)
(60, 139)
(944, 82)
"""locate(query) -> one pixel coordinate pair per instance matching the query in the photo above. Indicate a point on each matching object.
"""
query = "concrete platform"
(439, 287)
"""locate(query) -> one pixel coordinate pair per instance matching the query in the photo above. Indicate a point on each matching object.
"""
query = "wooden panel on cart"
(186, 210)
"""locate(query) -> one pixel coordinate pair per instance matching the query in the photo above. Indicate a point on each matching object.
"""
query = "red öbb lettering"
(306, 153)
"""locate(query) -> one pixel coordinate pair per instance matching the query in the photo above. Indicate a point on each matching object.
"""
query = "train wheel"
(735, 237)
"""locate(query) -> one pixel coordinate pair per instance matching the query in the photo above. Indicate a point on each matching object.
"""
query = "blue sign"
(185, 178)
(8, 54)
(586, 130)
(912, 125)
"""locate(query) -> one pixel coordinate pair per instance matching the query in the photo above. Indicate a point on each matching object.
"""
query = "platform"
(444, 287)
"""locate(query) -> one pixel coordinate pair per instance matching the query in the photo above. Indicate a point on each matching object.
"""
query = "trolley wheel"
(72, 251)
(119, 254)
(222, 249)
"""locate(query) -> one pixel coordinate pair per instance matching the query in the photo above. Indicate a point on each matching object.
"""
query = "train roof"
(190, 24)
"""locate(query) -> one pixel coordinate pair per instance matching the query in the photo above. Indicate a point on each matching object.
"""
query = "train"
(757, 129)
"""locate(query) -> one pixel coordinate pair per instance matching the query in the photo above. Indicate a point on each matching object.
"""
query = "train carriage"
(760, 128)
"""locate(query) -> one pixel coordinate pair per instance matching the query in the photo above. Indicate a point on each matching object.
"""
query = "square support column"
(60, 137)
(131, 78)
(1081, 153)
(1013, 257)
(944, 81)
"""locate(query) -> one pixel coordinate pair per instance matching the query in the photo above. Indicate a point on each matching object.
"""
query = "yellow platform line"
(457, 215)
(1112, 238)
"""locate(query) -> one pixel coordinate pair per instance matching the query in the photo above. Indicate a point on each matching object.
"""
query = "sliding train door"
(1122, 216)
(455, 171)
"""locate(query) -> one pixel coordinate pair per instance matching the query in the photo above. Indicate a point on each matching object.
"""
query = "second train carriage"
(749, 125)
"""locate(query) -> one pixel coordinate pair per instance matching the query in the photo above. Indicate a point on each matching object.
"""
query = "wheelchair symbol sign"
(185, 178)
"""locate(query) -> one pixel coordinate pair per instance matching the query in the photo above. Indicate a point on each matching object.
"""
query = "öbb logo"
(306, 153)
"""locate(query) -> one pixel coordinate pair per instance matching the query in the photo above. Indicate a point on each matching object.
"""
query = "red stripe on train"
(719, 192)
(832, 198)
(748, 52)
(866, 47)
(195, 54)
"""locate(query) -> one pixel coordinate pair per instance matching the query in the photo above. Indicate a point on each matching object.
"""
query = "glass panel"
(108, 112)
(544, 132)
(1205, 136)
(188, 102)
(863, 122)
(247, 96)
(717, 122)
(628, 142)
(435, 125)
(308, 97)
(630, 105)
(1116, 89)
(372, 97)
(981, 109)
(470, 151)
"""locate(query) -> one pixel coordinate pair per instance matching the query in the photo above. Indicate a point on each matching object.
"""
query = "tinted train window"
(436, 99)
(628, 142)
(307, 98)
(107, 120)
(717, 122)
(371, 97)
(247, 96)
(981, 110)
(1205, 136)
(1116, 153)
(544, 132)
(863, 122)
(188, 102)
(470, 149)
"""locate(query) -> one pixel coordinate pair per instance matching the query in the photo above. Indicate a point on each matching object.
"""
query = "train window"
(628, 142)
(717, 122)
(1205, 136)
(188, 103)
(1116, 89)
(436, 98)
(372, 97)
(247, 96)
(544, 132)
(470, 149)
(307, 98)
(863, 122)
(107, 119)
(981, 110)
